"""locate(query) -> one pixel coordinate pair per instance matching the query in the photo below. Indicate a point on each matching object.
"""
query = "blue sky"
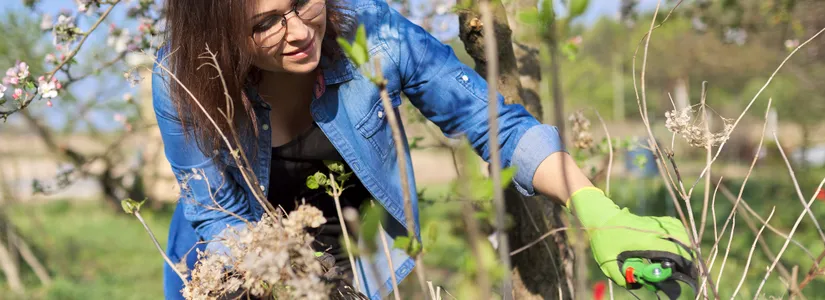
(118, 86)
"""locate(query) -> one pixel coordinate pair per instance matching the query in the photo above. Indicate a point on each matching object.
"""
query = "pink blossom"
(50, 58)
(49, 103)
(17, 94)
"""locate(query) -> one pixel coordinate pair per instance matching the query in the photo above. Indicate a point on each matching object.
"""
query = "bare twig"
(609, 154)
(10, 269)
(709, 148)
(549, 233)
(248, 177)
(386, 247)
(641, 101)
(796, 186)
(750, 255)
(744, 204)
(136, 212)
(491, 53)
(744, 215)
(787, 241)
(713, 208)
(31, 259)
(745, 182)
(813, 272)
(727, 251)
(719, 149)
(336, 195)
(401, 159)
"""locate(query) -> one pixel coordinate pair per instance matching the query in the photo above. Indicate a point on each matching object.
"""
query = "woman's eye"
(266, 24)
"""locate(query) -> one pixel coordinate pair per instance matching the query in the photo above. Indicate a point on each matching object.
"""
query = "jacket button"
(380, 114)
(266, 127)
(464, 78)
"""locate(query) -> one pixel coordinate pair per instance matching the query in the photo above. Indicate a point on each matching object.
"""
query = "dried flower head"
(679, 121)
(270, 258)
(582, 139)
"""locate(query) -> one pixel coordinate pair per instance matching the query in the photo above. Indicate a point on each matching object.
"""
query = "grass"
(91, 252)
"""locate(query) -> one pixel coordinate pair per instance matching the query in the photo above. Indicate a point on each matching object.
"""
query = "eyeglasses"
(270, 31)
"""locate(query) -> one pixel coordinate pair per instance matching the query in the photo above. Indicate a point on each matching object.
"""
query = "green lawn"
(91, 252)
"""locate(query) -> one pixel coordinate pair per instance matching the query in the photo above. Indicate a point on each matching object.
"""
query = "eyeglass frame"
(284, 22)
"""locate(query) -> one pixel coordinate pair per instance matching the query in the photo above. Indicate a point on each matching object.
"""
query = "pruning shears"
(657, 271)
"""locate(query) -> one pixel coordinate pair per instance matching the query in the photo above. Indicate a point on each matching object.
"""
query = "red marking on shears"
(628, 275)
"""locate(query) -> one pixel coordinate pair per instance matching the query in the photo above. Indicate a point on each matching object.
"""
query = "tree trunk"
(10, 269)
(543, 271)
(526, 50)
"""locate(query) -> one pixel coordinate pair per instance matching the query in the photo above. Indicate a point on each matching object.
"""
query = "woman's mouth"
(304, 51)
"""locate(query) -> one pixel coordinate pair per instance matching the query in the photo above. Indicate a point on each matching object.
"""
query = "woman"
(298, 102)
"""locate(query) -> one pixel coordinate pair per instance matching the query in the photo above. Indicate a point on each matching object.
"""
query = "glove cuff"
(591, 206)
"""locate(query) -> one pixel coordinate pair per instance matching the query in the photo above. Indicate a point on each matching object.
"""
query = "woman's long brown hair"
(223, 26)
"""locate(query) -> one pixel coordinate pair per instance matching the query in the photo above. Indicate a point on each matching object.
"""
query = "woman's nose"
(297, 30)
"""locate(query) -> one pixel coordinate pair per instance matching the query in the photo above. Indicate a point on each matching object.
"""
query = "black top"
(300, 158)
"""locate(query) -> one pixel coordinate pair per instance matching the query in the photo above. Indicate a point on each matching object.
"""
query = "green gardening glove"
(610, 245)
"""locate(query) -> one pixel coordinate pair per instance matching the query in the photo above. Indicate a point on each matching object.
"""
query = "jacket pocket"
(375, 128)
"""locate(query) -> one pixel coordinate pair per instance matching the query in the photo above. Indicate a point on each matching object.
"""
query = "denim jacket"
(350, 112)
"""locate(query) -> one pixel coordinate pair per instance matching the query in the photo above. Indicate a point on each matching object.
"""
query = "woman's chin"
(303, 67)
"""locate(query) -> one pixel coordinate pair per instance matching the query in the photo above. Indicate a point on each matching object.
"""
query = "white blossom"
(47, 22)
(47, 89)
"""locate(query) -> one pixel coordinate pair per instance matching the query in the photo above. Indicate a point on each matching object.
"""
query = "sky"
(90, 88)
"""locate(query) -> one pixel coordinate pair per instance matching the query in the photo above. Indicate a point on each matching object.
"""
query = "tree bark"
(545, 270)
(526, 49)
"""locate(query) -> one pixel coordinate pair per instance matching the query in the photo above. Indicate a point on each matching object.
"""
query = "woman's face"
(287, 40)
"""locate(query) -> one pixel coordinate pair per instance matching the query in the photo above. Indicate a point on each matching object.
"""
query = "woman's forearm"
(558, 176)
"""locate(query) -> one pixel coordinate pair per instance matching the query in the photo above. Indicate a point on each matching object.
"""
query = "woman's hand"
(616, 234)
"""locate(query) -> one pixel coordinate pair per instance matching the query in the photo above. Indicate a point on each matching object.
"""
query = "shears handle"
(657, 271)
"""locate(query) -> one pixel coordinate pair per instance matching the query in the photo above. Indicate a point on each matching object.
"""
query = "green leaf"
(361, 36)
(342, 178)
(410, 245)
(507, 175)
(402, 242)
(577, 7)
(317, 180)
(414, 142)
(369, 224)
(334, 166)
(570, 50)
(432, 232)
(131, 206)
(530, 16)
(547, 14)
(312, 183)
(359, 54)
(345, 45)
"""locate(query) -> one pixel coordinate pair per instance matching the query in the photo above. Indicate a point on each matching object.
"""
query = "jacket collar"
(335, 71)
